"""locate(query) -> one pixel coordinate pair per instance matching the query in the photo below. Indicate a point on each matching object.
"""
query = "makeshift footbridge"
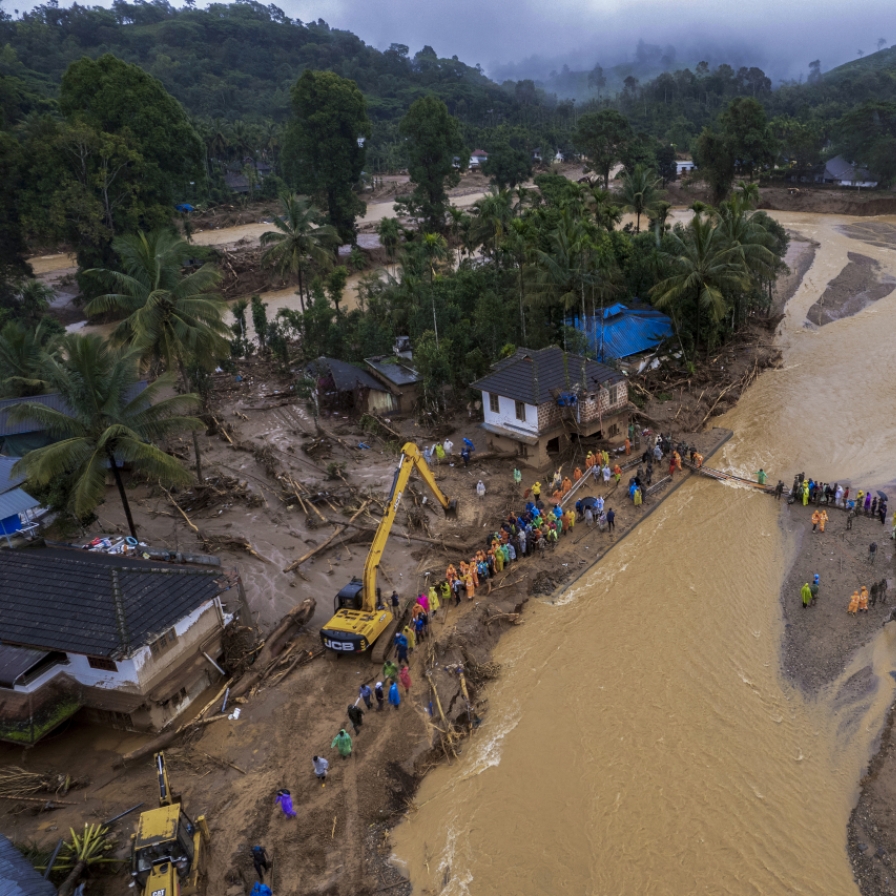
(722, 476)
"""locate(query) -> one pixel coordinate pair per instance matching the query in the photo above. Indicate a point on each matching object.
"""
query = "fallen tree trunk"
(163, 740)
(275, 645)
(336, 533)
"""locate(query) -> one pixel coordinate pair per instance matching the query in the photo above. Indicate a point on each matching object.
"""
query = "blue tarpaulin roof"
(620, 331)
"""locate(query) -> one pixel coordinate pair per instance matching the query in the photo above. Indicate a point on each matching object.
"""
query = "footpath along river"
(642, 738)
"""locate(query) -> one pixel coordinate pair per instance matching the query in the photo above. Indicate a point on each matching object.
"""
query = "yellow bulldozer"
(168, 850)
(357, 622)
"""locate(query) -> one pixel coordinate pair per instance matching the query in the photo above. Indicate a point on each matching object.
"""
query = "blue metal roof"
(7, 480)
(623, 331)
(16, 501)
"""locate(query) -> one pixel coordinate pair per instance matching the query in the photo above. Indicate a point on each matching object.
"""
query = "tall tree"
(141, 148)
(436, 151)
(300, 241)
(506, 165)
(172, 318)
(706, 269)
(640, 192)
(108, 423)
(602, 137)
(325, 145)
(24, 352)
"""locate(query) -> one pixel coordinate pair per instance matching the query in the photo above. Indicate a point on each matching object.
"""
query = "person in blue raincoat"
(394, 696)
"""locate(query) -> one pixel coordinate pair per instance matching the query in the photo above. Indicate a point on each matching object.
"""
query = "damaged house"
(535, 402)
(131, 642)
(341, 386)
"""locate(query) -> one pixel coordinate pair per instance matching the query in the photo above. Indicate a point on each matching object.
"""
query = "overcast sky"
(782, 36)
(785, 34)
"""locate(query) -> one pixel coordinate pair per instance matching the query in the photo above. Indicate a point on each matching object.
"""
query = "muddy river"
(641, 739)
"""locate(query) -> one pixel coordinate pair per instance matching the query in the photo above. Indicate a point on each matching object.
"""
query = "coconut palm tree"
(705, 270)
(299, 241)
(107, 422)
(23, 358)
(433, 248)
(491, 217)
(607, 213)
(170, 318)
(640, 192)
(389, 230)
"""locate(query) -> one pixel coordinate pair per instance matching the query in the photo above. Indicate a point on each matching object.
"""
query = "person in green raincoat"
(390, 670)
(806, 595)
(343, 743)
(440, 452)
(517, 477)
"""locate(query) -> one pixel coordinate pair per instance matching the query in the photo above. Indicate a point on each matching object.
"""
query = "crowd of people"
(823, 495)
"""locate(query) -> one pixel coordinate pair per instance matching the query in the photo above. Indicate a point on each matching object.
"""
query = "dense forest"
(113, 118)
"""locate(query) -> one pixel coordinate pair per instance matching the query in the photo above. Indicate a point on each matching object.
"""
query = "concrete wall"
(506, 414)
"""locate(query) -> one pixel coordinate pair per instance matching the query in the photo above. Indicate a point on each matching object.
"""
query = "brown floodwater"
(641, 738)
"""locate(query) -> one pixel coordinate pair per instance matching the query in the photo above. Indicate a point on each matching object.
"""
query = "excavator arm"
(411, 459)
(357, 623)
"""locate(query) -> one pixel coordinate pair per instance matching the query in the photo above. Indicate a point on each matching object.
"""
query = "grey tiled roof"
(346, 377)
(96, 604)
(17, 876)
(534, 376)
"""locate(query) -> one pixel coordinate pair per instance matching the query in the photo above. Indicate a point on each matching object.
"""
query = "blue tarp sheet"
(622, 331)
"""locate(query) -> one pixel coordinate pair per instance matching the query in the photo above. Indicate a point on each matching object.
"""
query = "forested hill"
(236, 60)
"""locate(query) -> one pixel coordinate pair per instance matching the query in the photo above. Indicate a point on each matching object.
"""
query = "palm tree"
(491, 217)
(169, 318)
(389, 230)
(518, 244)
(299, 241)
(23, 357)
(434, 248)
(606, 213)
(705, 269)
(107, 423)
(640, 192)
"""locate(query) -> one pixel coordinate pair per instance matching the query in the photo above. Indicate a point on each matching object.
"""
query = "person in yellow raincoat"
(446, 593)
(805, 492)
(822, 519)
(816, 518)
(638, 499)
(572, 518)
(854, 603)
(408, 632)
(606, 457)
(434, 603)
(863, 599)
(806, 595)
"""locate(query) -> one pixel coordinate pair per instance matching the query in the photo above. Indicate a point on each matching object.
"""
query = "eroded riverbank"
(644, 740)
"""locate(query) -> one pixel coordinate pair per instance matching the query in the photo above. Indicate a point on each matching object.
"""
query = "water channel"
(641, 739)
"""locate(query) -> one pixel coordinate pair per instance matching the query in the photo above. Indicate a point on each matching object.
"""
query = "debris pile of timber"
(215, 495)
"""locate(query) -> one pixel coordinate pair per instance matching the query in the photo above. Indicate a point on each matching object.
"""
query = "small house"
(838, 171)
(621, 333)
(17, 507)
(235, 176)
(398, 374)
(682, 166)
(535, 402)
(131, 642)
(341, 386)
(477, 158)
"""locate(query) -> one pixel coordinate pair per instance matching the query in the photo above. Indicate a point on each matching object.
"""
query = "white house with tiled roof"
(534, 402)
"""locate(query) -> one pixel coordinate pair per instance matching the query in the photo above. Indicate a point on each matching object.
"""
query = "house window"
(100, 662)
(493, 403)
(521, 411)
(614, 394)
(163, 642)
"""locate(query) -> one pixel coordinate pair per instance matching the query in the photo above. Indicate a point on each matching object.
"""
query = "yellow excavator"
(168, 849)
(361, 618)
